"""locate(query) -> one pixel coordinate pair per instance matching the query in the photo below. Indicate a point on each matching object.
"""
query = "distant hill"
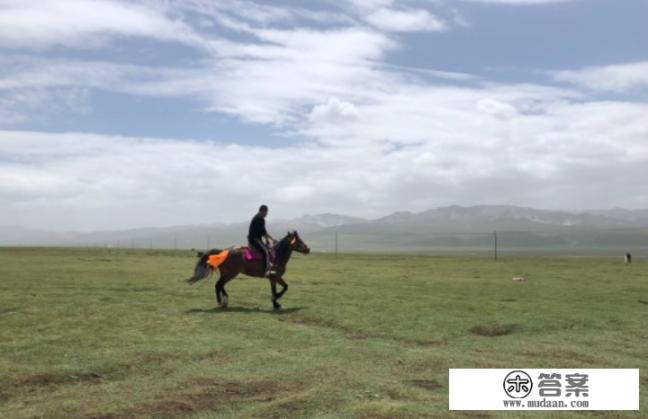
(639, 217)
(446, 227)
(490, 218)
(523, 229)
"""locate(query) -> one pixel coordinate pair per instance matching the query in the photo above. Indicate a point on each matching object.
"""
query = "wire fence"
(577, 242)
(595, 242)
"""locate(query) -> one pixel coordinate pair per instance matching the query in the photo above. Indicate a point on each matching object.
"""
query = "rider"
(258, 232)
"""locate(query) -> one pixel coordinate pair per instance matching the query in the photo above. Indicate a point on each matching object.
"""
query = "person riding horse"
(257, 233)
(233, 261)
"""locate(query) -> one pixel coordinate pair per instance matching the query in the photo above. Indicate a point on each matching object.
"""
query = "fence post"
(336, 244)
(495, 235)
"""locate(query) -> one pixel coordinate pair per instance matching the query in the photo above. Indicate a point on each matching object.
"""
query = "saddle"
(252, 254)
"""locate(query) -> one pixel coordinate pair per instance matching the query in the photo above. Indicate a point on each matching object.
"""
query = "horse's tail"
(203, 269)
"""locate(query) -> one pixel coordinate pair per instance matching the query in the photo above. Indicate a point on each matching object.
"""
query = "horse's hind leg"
(217, 289)
(221, 294)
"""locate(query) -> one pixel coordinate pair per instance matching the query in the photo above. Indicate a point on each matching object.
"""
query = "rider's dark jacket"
(257, 229)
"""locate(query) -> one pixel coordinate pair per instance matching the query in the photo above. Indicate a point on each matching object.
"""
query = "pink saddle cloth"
(252, 254)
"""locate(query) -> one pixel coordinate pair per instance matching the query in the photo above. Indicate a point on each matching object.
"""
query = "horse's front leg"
(273, 287)
(284, 287)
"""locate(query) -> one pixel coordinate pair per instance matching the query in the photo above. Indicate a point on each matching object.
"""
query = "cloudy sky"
(119, 114)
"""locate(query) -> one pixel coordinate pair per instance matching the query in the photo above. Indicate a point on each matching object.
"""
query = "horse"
(232, 262)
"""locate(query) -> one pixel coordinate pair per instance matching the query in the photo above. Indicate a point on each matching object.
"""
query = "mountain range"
(453, 226)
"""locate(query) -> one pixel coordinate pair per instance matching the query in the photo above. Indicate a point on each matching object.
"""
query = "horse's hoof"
(224, 303)
(277, 306)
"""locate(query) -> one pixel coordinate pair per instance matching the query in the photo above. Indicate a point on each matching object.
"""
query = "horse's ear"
(287, 233)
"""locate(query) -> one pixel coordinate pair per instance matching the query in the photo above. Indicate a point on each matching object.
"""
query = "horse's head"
(296, 243)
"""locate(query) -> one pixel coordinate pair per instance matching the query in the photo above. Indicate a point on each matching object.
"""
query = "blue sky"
(121, 114)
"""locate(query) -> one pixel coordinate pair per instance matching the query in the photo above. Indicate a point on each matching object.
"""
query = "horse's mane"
(282, 248)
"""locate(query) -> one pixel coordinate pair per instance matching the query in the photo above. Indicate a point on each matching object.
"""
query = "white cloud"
(235, 14)
(306, 70)
(376, 137)
(406, 21)
(35, 89)
(271, 79)
(414, 149)
(460, 20)
(497, 108)
(614, 78)
(521, 2)
(86, 23)
(334, 111)
(276, 81)
(370, 4)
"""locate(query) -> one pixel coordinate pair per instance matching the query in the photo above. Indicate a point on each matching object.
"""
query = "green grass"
(118, 335)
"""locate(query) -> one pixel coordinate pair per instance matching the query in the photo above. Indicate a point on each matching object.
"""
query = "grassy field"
(118, 335)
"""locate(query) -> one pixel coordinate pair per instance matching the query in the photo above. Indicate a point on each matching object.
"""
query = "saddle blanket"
(253, 254)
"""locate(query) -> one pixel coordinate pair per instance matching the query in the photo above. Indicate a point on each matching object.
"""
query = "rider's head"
(263, 210)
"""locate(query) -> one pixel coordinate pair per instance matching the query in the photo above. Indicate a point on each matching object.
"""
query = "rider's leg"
(258, 245)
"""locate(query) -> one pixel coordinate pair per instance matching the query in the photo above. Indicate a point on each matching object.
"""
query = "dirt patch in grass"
(422, 342)
(233, 390)
(564, 356)
(152, 360)
(4, 396)
(493, 331)
(200, 394)
(8, 310)
(297, 321)
(476, 415)
(425, 384)
(396, 413)
(46, 383)
(348, 332)
(578, 356)
(218, 357)
(285, 408)
(48, 380)
(355, 335)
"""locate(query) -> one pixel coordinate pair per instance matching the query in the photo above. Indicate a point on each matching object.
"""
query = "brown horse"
(232, 262)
